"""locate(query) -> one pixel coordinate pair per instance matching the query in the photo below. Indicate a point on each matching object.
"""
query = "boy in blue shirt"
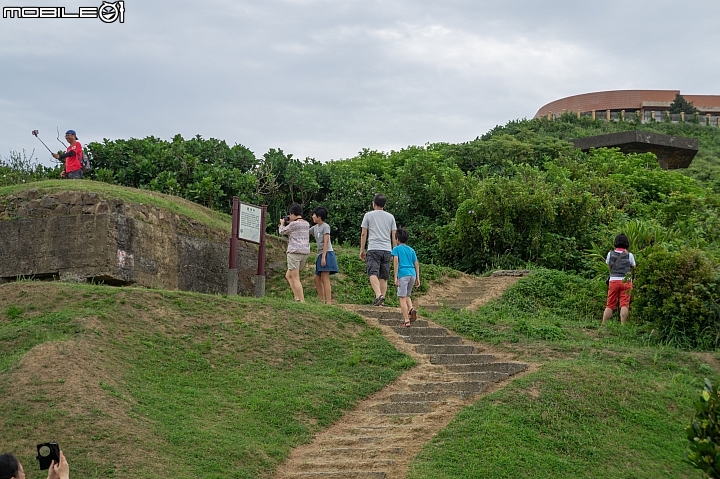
(407, 274)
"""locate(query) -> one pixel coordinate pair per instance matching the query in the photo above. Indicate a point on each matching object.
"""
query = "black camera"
(286, 220)
(48, 452)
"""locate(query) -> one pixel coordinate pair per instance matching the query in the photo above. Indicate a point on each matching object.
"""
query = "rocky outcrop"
(82, 236)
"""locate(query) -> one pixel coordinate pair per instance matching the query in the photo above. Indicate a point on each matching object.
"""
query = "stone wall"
(81, 236)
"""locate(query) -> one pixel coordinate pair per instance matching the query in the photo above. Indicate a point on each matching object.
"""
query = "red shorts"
(618, 288)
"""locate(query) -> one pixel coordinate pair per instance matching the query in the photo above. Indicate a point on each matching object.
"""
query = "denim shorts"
(331, 265)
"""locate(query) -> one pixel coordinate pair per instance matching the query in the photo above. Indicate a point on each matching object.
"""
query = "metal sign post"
(248, 224)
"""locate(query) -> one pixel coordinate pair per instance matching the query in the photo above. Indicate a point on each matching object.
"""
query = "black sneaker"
(379, 301)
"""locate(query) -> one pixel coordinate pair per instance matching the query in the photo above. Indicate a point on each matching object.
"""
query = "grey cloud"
(327, 78)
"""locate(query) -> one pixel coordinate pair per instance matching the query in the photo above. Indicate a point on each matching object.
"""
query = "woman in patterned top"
(298, 248)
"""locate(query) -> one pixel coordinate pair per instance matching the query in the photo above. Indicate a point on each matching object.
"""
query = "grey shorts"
(377, 263)
(405, 286)
(74, 175)
(296, 261)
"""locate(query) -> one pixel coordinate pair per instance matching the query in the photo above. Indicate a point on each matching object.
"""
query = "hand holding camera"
(53, 460)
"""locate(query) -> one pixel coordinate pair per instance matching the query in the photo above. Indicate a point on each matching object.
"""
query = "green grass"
(206, 386)
(607, 401)
(187, 385)
(591, 417)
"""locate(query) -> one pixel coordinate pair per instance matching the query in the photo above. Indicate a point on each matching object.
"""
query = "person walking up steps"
(378, 229)
(407, 274)
(326, 263)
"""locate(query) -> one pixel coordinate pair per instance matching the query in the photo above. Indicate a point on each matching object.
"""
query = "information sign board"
(250, 223)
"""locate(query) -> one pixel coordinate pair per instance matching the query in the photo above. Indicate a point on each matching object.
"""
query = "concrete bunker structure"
(85, 236)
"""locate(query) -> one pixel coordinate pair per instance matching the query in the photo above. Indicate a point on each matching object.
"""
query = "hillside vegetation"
(519, 196)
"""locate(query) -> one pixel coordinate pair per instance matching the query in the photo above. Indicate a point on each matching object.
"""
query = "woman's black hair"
(622, 241)
(295, 209)
(321, 212)
(9, 466)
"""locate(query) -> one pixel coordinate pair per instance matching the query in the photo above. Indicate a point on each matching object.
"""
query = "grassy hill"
(607, 401)
(149, 383)
(144, 383)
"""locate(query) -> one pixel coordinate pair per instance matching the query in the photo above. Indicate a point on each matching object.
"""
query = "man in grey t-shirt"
(378, 229)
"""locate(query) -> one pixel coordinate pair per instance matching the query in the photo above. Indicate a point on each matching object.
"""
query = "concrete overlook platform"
(672, 151)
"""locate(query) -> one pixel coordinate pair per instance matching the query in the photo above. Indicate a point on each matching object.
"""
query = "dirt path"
(467, 291)
(382, 435)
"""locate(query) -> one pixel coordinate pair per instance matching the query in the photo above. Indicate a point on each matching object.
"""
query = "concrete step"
(381, 313)
(434, 308)
(470, 386)
(444, 349)
(461, 296)
(341, 475)
(502, 367)
(455, 303)
(362, 452)
(343, 464)
(420, 331)
(421, 396)
(490, 376)
(433, 339)
(398, 321)
(355, 440)
(461, 358)
(392, 438)
(416, 407)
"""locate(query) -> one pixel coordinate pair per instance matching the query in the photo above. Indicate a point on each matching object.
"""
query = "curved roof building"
(628, 100)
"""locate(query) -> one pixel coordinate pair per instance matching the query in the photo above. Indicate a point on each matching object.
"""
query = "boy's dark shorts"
(377, 263)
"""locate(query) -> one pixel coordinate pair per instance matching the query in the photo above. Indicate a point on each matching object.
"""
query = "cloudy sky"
(326, 78)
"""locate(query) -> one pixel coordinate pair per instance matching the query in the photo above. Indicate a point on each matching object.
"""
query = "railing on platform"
(648, 116)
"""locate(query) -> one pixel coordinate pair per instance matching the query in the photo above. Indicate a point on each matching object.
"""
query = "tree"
(681, 105)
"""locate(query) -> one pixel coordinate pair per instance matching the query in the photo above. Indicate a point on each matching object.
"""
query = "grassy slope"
(142, 383)
(606, 401)
(196, 386)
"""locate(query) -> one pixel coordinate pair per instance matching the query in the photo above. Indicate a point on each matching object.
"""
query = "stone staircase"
(379, 438)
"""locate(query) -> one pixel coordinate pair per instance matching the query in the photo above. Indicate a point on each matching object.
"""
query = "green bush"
(559, 293)
(676, 292)
(704, 433)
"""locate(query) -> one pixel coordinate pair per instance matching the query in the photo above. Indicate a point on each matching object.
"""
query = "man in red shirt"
(72, 157)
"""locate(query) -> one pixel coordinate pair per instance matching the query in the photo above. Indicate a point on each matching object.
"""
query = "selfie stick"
(35, 134)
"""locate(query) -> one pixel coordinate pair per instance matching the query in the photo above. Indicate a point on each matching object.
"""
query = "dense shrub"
(566, 295)
(18, 168)
(677, 292)
(704, 433)
(208, 172)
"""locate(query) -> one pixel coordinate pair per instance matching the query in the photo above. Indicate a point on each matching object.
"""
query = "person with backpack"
(621, 262)
(74, 158)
